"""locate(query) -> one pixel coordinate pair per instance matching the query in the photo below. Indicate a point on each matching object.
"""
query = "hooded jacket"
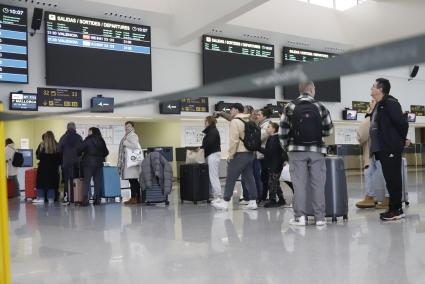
(392, 125)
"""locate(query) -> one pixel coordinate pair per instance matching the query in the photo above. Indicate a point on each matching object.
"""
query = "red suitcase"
(30, 184)
(11, 188)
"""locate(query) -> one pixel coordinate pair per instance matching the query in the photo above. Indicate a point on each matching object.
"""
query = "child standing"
(274, 158)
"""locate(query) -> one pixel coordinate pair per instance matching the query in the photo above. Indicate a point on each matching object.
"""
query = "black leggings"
(135, 187)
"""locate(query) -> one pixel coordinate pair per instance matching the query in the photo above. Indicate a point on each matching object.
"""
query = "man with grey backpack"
(303, 125)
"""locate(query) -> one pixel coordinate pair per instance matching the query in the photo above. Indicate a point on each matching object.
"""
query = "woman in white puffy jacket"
(130, 141)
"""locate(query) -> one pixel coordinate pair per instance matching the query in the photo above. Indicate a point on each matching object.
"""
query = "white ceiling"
(273, 21)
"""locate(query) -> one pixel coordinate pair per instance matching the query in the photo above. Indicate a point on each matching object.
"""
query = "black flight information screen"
(13, 45)
(96, 53)
(225, 58)
(326, 90)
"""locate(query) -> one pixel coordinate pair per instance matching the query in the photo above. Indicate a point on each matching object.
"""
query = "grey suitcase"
(155, 195)
(336, 195)
(379, 184)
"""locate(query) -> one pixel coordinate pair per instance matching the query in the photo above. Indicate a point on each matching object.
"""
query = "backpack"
(18, 159)
(252, 139)
(306, 124)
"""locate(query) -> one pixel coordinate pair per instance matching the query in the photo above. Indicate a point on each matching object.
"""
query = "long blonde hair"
(50, 144)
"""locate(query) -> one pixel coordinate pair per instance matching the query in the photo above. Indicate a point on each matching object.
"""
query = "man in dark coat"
(388, 131)
(68, 145)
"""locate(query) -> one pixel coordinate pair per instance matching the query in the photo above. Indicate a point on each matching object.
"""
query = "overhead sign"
(222, 106)
(277, 110)
(101, 104)
(169, 107)
(361, 107)
(194, 105)
(53, 97)
(23, 101)
(418, 110)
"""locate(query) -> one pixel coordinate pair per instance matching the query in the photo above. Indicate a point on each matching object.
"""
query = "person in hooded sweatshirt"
(94, 152)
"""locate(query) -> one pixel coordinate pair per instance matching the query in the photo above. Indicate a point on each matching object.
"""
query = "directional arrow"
(102, 104)
(171, 107)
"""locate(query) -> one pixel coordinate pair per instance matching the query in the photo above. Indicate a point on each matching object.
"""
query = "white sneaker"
(224, 205)
(244, 202)
(321, 223)
(38, 201)
(216, 200)
(252, 205)
(301, 221)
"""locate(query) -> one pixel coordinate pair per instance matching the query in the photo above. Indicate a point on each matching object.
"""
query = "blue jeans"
(41, 193)
(256, 168)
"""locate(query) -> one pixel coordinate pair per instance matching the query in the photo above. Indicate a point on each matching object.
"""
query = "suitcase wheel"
(208, 201)
(407, 203)
(167, 202)
(195, 202)
(345, 218)
(334, 219)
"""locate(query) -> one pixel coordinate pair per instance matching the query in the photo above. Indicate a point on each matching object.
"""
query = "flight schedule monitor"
(225, 58)
(96, 53)
(326, 90)
(13, 45)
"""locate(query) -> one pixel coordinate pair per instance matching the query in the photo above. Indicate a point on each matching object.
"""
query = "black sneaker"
(271, 204)
(393, 215)
(281, 202)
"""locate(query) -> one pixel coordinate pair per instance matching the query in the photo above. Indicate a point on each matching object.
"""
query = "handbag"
(195, 157)
(134, 157)
(285, 175)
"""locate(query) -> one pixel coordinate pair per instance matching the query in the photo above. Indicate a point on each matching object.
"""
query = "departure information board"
(418, 110)
(13, 44)
(225, 58)
(360, 106)
(302, 55)
(97, 53)
(326, 90)
(194, 105)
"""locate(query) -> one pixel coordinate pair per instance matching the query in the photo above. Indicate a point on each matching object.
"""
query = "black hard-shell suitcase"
(194, 183)
(155, 195)
(336, 195)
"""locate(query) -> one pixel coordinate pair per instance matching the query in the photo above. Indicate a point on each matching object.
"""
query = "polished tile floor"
(195, 244)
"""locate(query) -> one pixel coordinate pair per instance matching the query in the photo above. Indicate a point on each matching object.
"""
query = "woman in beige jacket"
(372, 167)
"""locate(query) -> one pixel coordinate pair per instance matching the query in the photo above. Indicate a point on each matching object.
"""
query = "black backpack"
(18, 160)
(306, 124)
(252, 139)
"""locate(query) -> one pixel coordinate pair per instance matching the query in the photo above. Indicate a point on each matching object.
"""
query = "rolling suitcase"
(379, 184)
(155, 195)
(194, 183)
(336, 195)
(30, 184)
(79, 195)
(111, 183)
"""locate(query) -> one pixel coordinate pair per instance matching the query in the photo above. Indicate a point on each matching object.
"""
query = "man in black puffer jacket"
(388, 131)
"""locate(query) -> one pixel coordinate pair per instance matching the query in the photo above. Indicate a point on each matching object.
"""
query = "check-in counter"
(410, 153)
(352, 155)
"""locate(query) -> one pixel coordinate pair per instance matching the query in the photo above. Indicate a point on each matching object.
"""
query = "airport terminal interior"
(148, 73)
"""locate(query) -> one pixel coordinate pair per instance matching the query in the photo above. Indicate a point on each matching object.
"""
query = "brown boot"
(384, 205)
(367, 202)
(131, 201)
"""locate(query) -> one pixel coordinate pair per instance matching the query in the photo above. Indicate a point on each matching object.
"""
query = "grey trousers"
(241, 164)
(308, 174)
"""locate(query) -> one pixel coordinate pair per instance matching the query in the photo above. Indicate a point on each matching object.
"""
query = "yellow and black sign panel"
(53, 97)
(360, 106)
(418, 110)
(194, 105)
